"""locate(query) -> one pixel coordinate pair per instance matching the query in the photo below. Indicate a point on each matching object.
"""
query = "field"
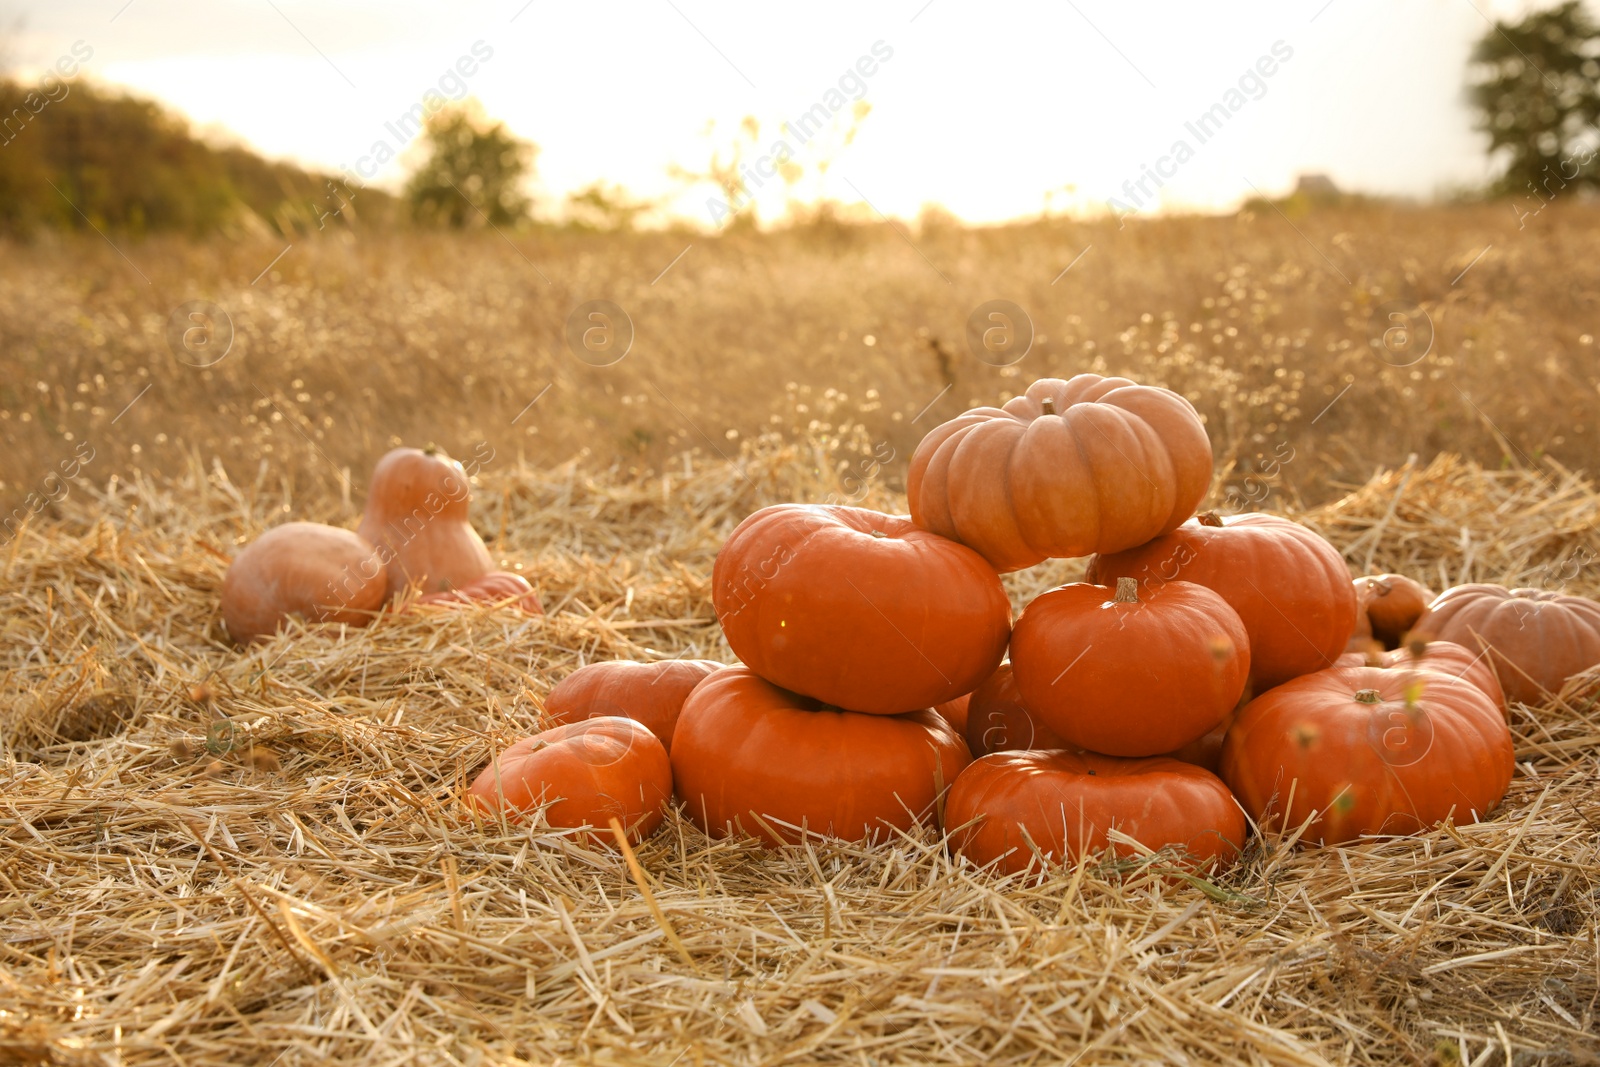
(851, 338)
(220, 856)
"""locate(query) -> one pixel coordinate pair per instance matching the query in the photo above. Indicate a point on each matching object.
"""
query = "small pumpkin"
(1389, 606)
(997, 721)
(1536, 639)
(1114, 672)
(306, 569)
(650, 693)
(1290, 587)
(749, 757)
(1206, 750)
(417, 513)
(1011, 808)
(1370, 750)
(858, 609)
(496, 587)
(593, 771)
(955, 712)
(1444, 656)
(1450, 658)
(1087, 464)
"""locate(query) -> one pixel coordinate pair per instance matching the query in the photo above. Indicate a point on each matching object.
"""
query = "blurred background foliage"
(95, 157)
(77, 155)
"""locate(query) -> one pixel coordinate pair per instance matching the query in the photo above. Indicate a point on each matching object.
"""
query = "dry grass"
(224, 857)
(350, 344)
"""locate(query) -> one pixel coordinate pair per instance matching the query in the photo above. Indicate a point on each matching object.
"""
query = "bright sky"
(994, 110)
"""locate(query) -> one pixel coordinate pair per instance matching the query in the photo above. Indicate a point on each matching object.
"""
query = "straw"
(170, 895)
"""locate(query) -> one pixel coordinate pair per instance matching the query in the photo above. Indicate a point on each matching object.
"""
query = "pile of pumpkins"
(415, 536)
(1211, 672)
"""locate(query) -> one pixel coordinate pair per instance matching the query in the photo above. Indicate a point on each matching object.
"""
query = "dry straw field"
(215, 856)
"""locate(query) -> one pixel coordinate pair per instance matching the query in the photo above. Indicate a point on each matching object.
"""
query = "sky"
(993, 110)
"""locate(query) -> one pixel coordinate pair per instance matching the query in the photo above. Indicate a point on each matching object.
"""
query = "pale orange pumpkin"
(496, 587)
(1090, 464)
(302, 569)
(417, 515)
(1536, 639)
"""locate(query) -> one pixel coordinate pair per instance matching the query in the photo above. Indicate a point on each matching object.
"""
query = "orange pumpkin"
(1089, 464)
(305, 569)
(1012, 808)
(650, 693)
(594, 771)
(417, 514)
(1444, 656)
(1451, 658)
(1370, 750)
(751, 758)
(1290, 587)
(997, 721)
(496, 587)
(1536, 639)
(955, 712)
(858, 609)
(1206, 750)
(1389, 606)
(1125, 675)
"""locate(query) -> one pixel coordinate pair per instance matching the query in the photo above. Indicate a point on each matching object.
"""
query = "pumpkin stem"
(1209, 518)
(1049, 405)
(1127, 592)
(1369, 696)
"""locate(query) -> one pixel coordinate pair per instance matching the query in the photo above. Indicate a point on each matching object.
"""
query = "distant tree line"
(1535, 84)
(75, 155)
(72, 154)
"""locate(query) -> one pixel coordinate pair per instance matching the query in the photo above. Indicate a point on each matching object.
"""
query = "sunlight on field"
(342, 906)
(855, 337)
(345, 907)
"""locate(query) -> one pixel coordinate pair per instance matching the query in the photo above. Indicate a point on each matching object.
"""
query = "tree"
(605, 208)
(1536, 87)
(75, 155)
(474, 171)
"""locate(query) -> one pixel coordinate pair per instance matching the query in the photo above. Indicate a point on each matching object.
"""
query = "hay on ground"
(222, 857)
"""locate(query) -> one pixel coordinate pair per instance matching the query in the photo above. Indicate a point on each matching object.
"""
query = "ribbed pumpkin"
(417, 514)
(1446, 657)
(301, 569)
(998, 722)
(1088, 464)
(1290, 587)
(749, 757)
(1063, 804)
(594, 770)
(858, 609)
(1388, 606)
(1371, 750)
(496, 587)
(1536, 639)
(1114, 672)
(650, 693)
